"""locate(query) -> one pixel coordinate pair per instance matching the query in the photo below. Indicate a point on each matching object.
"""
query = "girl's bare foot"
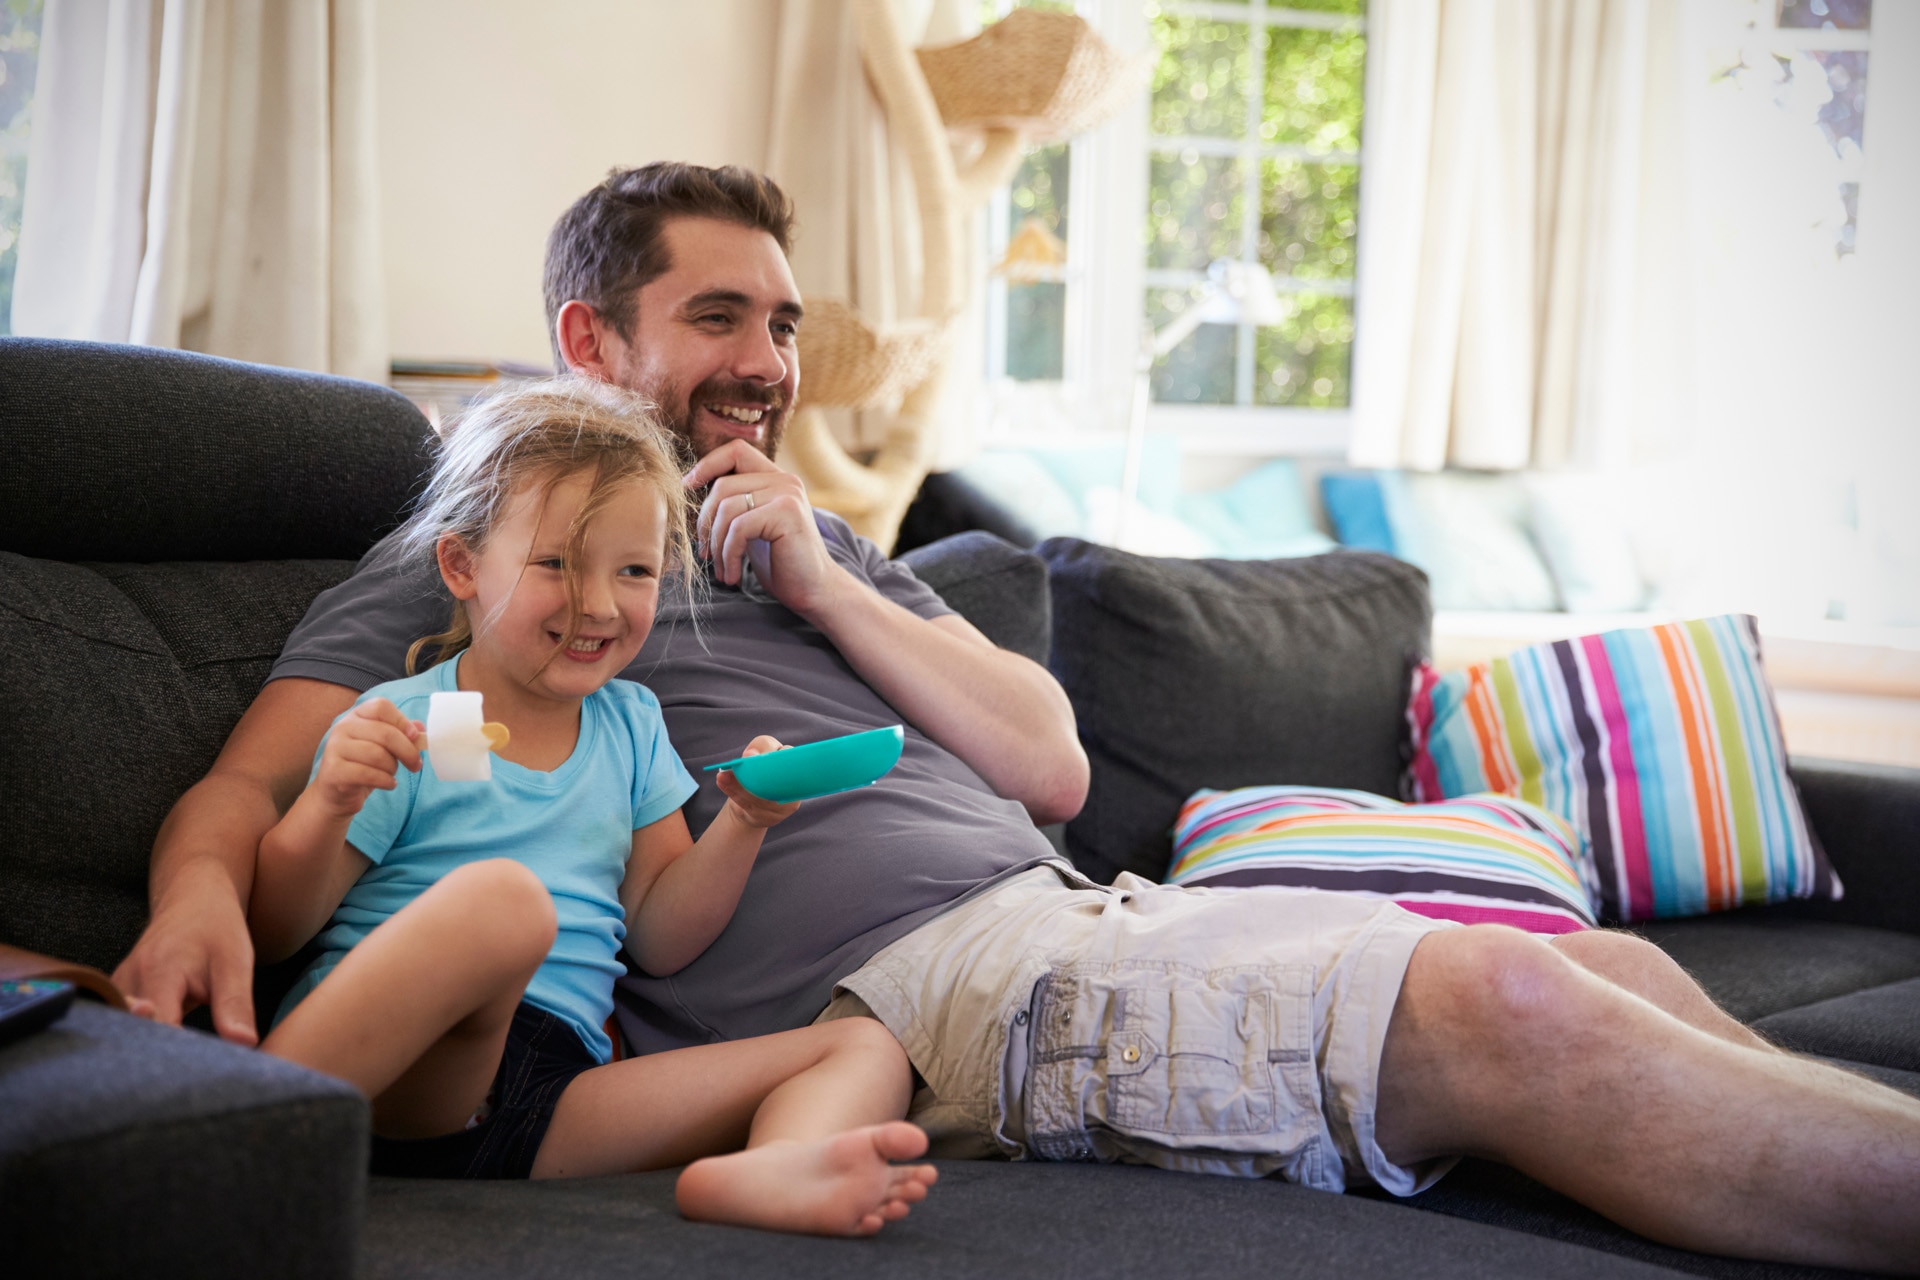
(845, 1185)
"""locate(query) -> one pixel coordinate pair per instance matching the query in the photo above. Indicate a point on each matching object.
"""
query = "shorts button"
(1130, 1054)
(1020, 1018)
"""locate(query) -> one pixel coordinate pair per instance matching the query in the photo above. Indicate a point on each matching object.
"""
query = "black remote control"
(30, 1005)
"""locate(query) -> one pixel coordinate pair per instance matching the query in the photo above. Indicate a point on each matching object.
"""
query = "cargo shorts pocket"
(1218, 1060)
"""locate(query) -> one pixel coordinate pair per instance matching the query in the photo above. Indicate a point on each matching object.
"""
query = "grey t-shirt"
(836, 882)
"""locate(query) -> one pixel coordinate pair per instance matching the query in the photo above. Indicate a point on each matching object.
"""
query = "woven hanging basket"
(848, 364)
(1042, 73)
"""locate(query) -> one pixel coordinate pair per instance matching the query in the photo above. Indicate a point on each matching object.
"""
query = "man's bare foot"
(839, 1186)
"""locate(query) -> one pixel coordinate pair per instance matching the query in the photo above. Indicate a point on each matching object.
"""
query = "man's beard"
(724, 390)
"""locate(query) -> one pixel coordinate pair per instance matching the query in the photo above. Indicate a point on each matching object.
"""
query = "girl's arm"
(305, 865)
(679, 893)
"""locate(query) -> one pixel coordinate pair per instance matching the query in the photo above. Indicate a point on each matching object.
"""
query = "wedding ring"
(749, 501)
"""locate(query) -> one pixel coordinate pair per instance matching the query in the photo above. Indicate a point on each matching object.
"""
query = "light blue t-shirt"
(572, 827)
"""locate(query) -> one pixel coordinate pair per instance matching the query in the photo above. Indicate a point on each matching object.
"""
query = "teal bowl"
(817, 769)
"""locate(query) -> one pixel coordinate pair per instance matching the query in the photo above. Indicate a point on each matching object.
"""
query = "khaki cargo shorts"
(1228, 1031)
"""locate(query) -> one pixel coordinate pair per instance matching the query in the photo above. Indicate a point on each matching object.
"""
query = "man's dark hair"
(609, 243)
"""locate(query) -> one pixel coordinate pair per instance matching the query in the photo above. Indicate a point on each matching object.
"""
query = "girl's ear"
(458, 566)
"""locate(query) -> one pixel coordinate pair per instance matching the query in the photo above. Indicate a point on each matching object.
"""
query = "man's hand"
(364, 752)
(754, 810)
(1003, 715)
(752, 501)
(195, 951)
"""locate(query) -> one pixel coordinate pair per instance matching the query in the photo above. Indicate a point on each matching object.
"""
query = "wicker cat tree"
(1033, 76)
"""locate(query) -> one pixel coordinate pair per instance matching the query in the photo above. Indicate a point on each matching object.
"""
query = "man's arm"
(1001, 713)
(195, 949)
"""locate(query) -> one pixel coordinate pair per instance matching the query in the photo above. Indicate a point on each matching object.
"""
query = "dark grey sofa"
(164, 520)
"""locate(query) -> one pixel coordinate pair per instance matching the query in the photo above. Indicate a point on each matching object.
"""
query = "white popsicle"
(457, 744)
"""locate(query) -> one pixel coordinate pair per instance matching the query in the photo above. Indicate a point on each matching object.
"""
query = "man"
(1320, 1036)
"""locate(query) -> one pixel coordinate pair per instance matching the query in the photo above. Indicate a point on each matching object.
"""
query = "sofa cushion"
(984, 1218)
(1754, 963)
(1880, 1025)
(1215, 673)
(1868, 819)
(118, 685)
(1498, 1196)
(996, 586)
(119, 452)
(132, 1149)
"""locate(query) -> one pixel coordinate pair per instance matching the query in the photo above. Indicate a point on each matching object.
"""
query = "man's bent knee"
(1609, 952)
(1481, 1012)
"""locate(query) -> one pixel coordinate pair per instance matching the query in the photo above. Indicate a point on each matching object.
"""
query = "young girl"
(470, 932)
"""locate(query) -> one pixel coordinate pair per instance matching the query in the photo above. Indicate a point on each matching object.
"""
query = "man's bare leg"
(1640, 967)
(1500, 1046)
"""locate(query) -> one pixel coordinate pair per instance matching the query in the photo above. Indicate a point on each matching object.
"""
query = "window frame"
(1106, 274)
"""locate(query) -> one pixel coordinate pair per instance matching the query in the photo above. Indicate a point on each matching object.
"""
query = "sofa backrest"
(1187, 674)
(165, 519)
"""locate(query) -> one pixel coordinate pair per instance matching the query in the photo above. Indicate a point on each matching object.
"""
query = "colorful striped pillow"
(1485, 860)
(1659, 744)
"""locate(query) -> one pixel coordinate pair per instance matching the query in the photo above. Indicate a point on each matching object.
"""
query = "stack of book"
(444, 388)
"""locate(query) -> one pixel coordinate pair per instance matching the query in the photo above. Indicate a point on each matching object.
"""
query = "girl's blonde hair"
(541, 433)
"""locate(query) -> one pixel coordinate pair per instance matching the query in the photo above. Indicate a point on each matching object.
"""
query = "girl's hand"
(364, 751)
(753, 810)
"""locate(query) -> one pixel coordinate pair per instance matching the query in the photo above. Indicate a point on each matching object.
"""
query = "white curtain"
(202, 174)
(1519, 300)
(858, 237)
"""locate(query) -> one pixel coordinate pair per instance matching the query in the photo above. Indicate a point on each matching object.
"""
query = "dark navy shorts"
(541, 1058)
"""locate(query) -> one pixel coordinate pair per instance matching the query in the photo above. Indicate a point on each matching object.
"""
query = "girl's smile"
(531, 652)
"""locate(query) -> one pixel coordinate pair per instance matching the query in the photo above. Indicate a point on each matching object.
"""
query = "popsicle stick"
(498, 736)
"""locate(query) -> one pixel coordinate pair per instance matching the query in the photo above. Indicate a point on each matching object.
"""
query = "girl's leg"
(818, 1108)
(416, 1016)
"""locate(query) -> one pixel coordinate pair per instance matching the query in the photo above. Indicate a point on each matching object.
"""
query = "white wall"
(496, 114)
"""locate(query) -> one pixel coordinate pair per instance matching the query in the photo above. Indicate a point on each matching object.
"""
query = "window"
(1248, 149)
(19, 56)
(1254, 140)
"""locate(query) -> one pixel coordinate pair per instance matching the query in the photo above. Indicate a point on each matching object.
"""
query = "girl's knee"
(505, 904)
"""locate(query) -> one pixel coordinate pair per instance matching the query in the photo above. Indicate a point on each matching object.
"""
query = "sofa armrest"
(994, 585)
(1867, 817)
(129, 1148)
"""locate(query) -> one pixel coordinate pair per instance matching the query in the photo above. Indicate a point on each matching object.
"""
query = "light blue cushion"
(1261, 516)
(1082, 466)
(1576, 523)
(1469, 532)
(1019, 482)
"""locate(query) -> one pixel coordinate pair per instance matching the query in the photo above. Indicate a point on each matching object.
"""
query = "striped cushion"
(1484, 860)
(1659, 744)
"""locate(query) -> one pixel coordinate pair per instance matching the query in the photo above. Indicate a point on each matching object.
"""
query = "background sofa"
(164, 520)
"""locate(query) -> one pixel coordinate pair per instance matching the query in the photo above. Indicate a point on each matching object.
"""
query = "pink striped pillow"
(1660, 745)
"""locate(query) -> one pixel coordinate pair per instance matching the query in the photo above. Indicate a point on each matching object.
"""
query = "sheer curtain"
(1522, 207)
(852, 185)
(204, 176)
